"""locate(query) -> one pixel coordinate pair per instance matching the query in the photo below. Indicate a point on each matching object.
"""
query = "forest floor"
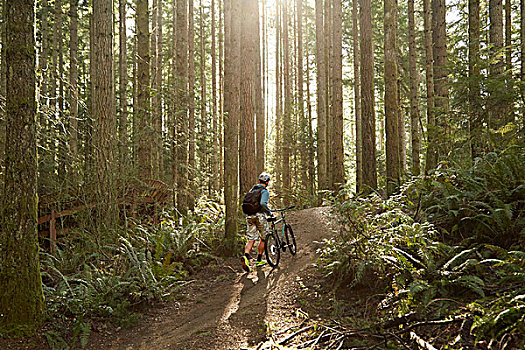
(223, 307)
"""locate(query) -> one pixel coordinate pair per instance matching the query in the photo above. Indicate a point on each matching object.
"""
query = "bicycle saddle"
(271, 219)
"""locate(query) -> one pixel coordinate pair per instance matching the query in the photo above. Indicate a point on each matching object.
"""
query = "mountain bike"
(279, 239)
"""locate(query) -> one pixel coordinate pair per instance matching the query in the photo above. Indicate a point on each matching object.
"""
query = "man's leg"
(249, 247)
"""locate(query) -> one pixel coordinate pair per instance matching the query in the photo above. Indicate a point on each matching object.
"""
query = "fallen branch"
(293, 335)
(420, 342)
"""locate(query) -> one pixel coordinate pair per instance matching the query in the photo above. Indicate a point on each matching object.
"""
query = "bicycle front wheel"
(290, 239)
(271, 248)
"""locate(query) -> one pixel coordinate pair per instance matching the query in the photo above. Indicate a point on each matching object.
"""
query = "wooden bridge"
(152, 192)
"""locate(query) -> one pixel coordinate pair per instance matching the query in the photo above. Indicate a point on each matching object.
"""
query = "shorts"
(257, 226)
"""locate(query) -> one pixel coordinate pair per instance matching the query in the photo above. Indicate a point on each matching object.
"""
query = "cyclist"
(256, 222)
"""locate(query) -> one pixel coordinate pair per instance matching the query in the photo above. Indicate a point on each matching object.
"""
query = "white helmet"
(264, 177)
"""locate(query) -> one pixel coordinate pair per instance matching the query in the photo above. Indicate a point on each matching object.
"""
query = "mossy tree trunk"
(21, 297)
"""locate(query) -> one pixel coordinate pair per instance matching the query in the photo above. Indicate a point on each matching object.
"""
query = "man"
(257, 223)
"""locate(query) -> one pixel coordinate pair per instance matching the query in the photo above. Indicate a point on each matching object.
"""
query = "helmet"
(264, 177)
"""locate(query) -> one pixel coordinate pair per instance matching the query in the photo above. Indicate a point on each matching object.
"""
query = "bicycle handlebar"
(285, 209)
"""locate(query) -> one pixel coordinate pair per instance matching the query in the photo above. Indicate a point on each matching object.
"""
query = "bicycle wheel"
(271, 248)
(290, 239)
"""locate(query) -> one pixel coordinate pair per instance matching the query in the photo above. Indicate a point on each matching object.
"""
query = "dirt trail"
(225, 308)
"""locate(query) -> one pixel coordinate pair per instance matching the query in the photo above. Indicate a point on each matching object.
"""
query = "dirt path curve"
(225, 308)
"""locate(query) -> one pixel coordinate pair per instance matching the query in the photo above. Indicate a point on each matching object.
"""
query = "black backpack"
(251, 202)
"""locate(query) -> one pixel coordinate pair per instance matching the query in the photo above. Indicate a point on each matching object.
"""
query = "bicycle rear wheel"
(271, 248)
(290, 239)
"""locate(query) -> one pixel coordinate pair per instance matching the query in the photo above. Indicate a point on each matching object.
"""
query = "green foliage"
(440, 247)
(95, 277)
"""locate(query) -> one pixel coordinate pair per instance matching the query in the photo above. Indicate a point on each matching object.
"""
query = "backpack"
(251, 202)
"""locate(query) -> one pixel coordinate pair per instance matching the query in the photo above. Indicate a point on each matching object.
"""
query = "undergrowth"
(95, 278)
(451, 244)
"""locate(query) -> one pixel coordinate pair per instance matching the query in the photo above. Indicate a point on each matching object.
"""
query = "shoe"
(245, 264)
(260, 263)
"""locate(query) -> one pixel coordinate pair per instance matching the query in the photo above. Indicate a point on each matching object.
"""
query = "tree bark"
(441, 102)
(259, 99)
(104, 110)
(73, 80)
(522, 57)
(474, 79)
(191, 108)
(338, 175)
(204, 115)
(143, 86)
(431, 156)
(278, 98)
(357, 100)
(181, 124)
(21, 300)
(288, 108)
(158, 163)
(414, 92)
(367, 98)
(123, 83)
(393, 161)
(321, 95)
(215, 125)
(310, 147)
(248, 171)
(497, 67)
(231, 123)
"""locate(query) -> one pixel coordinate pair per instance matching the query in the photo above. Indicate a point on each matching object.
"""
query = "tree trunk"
(496, 109)
(303, 121)
(104, 110)
(191, 107)
(231, 123)
(248, 171)
(143, 86)
(3, 79)
(474, 80)
(431, 158)
(310, 146)
(357, 101)
(337, 153)
(367, 98)
(21, 300)
(509, 112)
(123, 83)
(73, 81)
(321, 95)
(441, 102)
(157, 110)
(181, 123)
(288, 106)
(328, 48)
(215, 125)
(414, 92)
(393, 161)
(204, 119)
(278, 99)
(259, 99)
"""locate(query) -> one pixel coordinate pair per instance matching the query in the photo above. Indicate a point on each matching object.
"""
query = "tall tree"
(259, 100)
(232, 29)
(191, 106)
(181, 104)
(156, 78)
(414, 92)
(143, 86)
(288, 104)
(103, 109)
(368, 120)
(21, 300)
(441, 102)
(303, 120)
(123, 82)
(522, 56)
(321, 95)
(204, 114)
(73, 78)
(431, 156)
(393, 161)
(497, 67)
(278, 99)
(249, 42)
(337, 149)
(474, 77)
(357, 100)
(215, 123)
